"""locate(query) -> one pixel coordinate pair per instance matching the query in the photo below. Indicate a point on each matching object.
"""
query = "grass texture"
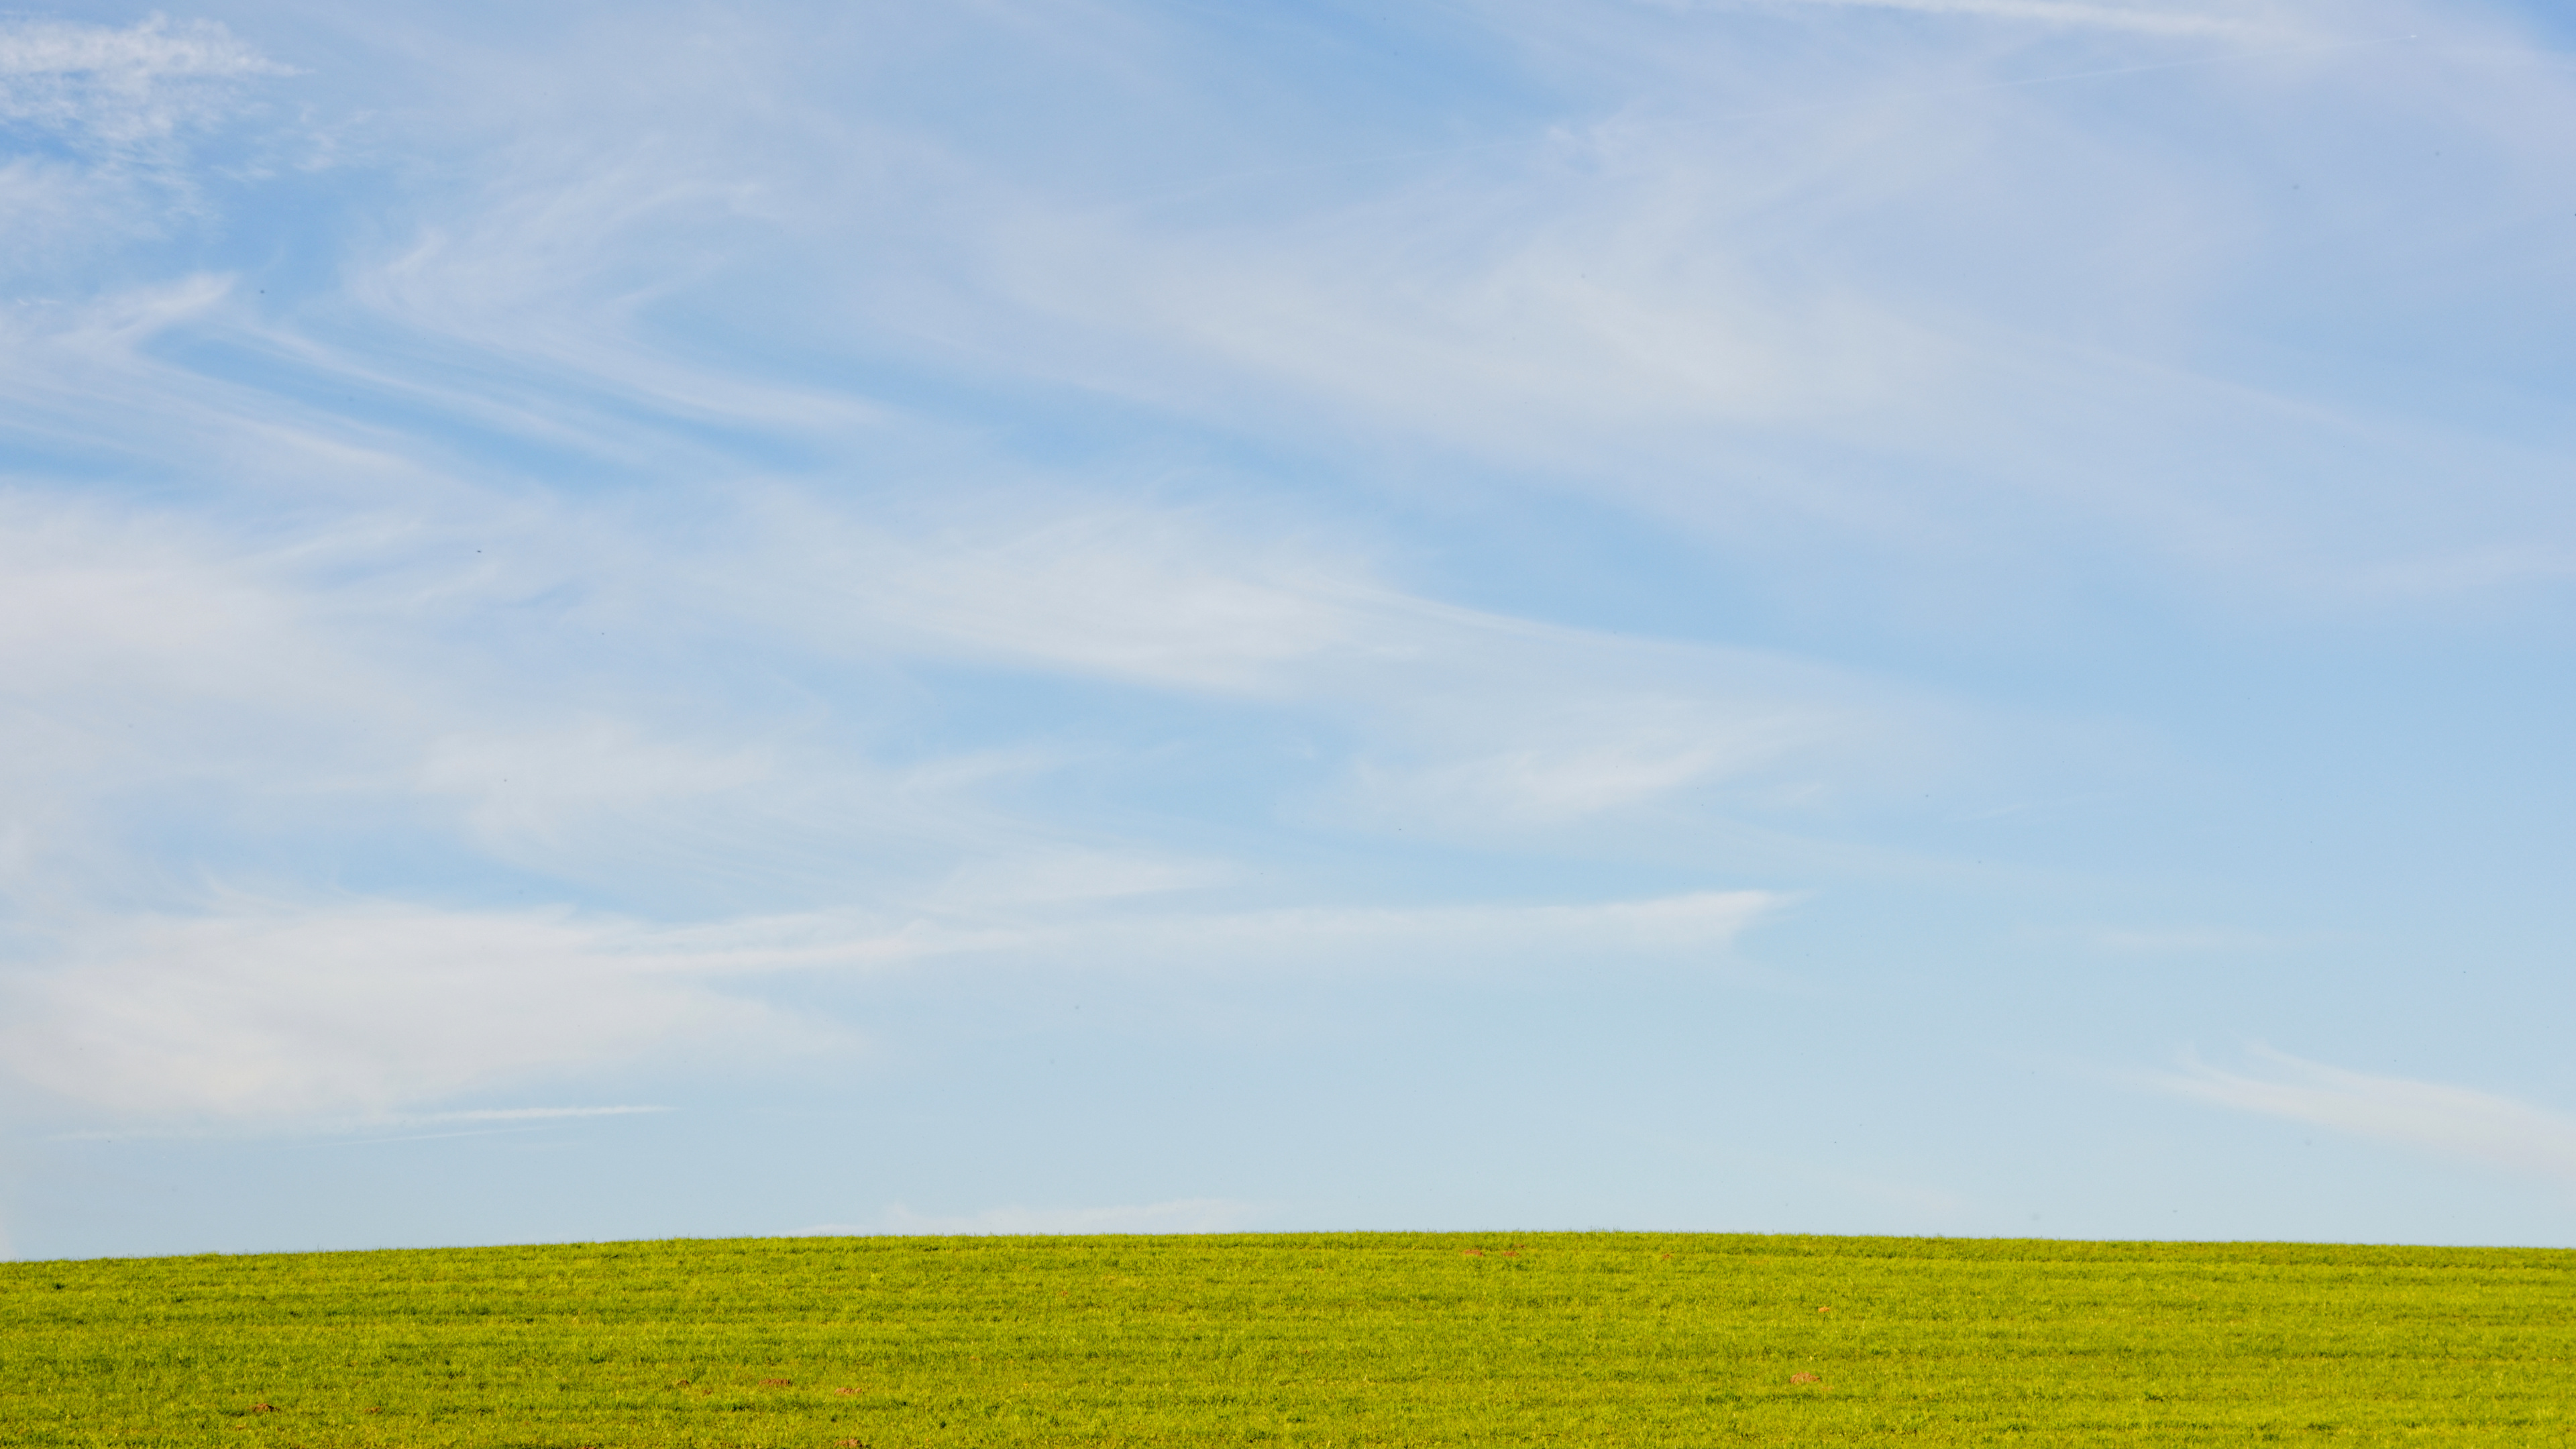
(1383, 1339)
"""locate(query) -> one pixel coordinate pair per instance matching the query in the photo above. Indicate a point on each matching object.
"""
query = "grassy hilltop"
(1343, 1339)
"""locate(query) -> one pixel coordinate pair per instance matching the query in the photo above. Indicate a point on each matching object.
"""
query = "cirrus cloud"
(2438, 1117)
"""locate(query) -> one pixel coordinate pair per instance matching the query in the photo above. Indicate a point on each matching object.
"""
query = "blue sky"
(1921, 616)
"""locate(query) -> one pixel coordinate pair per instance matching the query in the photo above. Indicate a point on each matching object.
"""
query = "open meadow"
(1326, 1339)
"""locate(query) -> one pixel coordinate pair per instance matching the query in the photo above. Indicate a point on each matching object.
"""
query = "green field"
(1592, 1338)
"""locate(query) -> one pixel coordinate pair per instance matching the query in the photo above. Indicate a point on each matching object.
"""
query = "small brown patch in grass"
(377, 1410)
(1825, 1308)
(845, 1393)
(852, 1444)
(778, 1383)
(1805, 1378)
(263, 1408)
(1471, 1252)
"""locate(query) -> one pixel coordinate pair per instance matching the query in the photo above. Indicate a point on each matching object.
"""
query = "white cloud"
(1554, 323)
(1527, 731)
(146, 51)
(141, 657)
(524, 789)
(157, 657)
(374, 1011)
(1464, 719)
(1467, 942)
(1148, 595)
(53, 206)
(2434, 1116)
(1635, 309)
(122, 87)
(1925, 313)
(2198, 939)
(530, 1114)
(1005, 881)
(265, 1012)
(2159, 20)
(94, 599)
(374, 1127)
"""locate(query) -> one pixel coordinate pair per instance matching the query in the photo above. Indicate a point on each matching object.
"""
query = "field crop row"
(1376, 1339)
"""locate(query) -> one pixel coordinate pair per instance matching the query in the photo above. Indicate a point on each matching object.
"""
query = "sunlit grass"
(1381, 1339)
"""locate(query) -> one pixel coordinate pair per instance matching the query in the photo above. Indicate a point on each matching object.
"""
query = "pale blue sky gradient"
(1927, 616)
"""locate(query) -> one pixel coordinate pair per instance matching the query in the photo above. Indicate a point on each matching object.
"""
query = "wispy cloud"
(394, 1127)
(1468, 943)
(2140, 19)
(2161, 940)
(149, 50)
(2434, 1116)
(265, 1013)
(319, 1015)
(121, 85)
(123, 107)
(319, 680)
(1471, 719)
(530, 1114)
(155, 659)
(1635, 309)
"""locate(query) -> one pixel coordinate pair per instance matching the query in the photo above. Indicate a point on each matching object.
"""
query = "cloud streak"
(313, 1015)
(2436, 1117)
(2136, 19)
(317, 1014)
(120, 86)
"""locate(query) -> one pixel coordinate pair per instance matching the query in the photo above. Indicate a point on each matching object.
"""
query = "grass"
(1381, 1339)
